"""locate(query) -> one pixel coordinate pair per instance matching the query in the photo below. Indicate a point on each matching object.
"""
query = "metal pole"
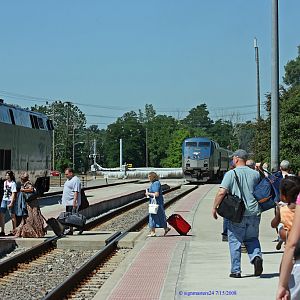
(121, 162)
(67, 153)
(257, 79)
(53, 140)
(73, 154)
(146, 147)
(275, 89)
(94, 154)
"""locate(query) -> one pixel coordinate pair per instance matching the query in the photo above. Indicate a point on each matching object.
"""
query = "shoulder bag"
(232, 207)
(153, 206)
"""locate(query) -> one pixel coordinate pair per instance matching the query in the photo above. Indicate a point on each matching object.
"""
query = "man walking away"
(71, 193)
(248, 230)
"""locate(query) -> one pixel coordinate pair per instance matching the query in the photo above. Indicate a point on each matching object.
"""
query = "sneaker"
(224, 238)
(151, 234)
(258, 265)
(235, 275)
(2, 233)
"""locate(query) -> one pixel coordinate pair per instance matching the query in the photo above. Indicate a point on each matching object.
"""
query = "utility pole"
(275, 90)
(53, 137)
(68, 125)
(146, 147)
(121, 158)
(257, 79)
(73, 152)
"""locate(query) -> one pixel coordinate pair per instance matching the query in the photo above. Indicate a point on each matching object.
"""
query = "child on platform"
(285, 210)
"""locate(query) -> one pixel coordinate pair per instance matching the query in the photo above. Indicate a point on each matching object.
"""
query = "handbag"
(153, 206)
(232, 207)
(31, 196)
(72, 219)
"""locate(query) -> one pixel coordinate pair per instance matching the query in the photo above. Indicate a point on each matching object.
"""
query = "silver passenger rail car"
(26, 139)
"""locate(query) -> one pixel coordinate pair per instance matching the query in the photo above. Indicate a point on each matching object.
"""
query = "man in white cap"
(247, 231)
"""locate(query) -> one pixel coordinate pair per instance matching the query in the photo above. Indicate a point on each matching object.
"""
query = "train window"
(11, 113)
(31, 121)
(191, 144)
(5, 159)
(204, 144)
(34, 122)
(50, 125)
(41, 123)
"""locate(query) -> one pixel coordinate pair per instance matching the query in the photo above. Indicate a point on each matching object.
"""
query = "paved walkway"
(196, 266)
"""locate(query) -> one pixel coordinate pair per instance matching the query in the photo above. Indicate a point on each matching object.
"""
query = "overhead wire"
(178, 111)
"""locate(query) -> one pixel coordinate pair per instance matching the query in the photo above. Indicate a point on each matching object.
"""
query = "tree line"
(163, 135)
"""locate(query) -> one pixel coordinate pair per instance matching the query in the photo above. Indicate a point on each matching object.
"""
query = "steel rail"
(11, 263)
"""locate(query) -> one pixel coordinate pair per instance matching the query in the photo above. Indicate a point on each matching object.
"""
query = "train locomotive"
(26, 142)
(204, 160)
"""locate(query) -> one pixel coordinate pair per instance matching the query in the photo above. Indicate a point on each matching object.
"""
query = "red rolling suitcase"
(179, 224)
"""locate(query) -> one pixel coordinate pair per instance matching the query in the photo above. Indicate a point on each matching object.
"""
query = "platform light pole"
(275, 90)
(257, 78)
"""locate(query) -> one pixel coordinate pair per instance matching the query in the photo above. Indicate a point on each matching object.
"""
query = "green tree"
(174, 152)
(292, 71)
(160, 130)
(223, 133)
(289, 127)
(290, 114)
(198, 121)
(148, 115)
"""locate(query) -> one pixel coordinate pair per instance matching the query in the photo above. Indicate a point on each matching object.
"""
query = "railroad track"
(84, 271)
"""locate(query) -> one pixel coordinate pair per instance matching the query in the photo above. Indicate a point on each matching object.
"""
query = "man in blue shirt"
(247, 231)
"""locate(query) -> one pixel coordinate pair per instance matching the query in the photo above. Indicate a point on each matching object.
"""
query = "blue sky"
(120, 55)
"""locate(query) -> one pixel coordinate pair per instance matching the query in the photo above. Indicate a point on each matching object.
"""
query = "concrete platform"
(197, 265)
(88, 240)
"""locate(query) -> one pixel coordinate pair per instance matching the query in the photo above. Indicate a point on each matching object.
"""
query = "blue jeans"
(225, 226)
(245, 232)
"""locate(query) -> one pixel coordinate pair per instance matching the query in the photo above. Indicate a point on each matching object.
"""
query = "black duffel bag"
(72, 219)
(232, 207)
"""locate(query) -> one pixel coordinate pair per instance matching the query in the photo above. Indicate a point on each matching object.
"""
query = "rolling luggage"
(57, 227)
(179, 224)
